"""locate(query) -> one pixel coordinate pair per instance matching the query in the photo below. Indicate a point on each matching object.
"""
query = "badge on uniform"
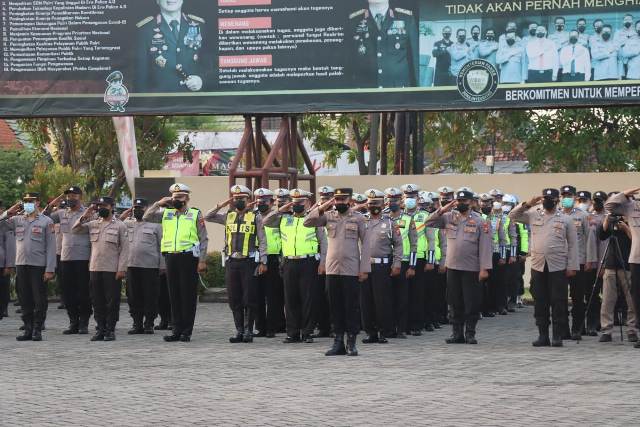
(161, 61)
(193, 39)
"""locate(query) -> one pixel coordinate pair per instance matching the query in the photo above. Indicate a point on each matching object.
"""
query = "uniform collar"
(383, 10)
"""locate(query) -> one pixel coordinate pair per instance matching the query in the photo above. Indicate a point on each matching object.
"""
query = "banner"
(126, 134)
(128, 57)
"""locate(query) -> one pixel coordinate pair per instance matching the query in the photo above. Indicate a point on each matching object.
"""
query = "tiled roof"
(8, 138)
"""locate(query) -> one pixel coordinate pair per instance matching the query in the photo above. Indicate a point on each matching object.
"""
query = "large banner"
(127, 57)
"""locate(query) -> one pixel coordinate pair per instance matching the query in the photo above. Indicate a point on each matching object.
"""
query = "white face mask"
(506, 208)
(583, 207)
(497, 206)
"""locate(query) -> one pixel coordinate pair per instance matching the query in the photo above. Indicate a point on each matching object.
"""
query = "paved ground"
(419, 381)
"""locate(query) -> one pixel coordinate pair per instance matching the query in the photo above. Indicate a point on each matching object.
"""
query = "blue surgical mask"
(29, 208)
(410, 203)
(567, 202)
(506, 208)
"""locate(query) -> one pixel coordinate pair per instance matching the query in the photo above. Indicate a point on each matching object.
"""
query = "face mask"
(510, 42)
(598, 205)
(178, 204)
(581, 28)
(598, 29)
(72, 203)
(461, 39)
(497, 205)
(342, 207)
(29, 208)
(606, 36)
(138, 214)
(506, 208)
(573, 40)
(548, 204)
(486, 210)
(394, 207)
(532, 32)
(475, 36)
(627, 24)
(567, 202)
(240, 205)
(104, 212)
(446, 36)
(540, 35)
(560, 27)
(491, 37)
(583, 207)
(463, 207)
(410, 203)
(638, 32)
(263, 207)
(375, 210)
(511, 30)
(298, 208)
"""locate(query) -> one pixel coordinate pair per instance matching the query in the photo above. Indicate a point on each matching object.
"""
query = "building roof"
(8, 138)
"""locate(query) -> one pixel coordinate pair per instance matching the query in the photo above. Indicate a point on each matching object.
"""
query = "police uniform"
(630, 54)
(512, 62)
(184, 245)
(384, 48)
(487, 50)
(554, 250)
(321, 299)
(348, 255)
(245, 248)
(303, 248)
(143, 268)
(35, 255)
(595, 253)
(511, 254)
(109, 253)
(446, 194)
(469, 252)
(74, 265)
(460, 54)
(605, 60)
(166, 57)
(7, 261)
(432, 300)
(443, 62)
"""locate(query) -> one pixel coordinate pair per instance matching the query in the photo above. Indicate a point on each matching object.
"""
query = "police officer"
(460, 53)
(446, 195)
(509, 201)
(432, 260)
(512, 60)
(595, 254)
(626, 33)
(542, 58)
(270, 291)
(554, 258)
(575, 62)
(321, 298)
(302, 249)
(35, 261)
(74, 258)
(488, 47)
(605, 57)
(171, 54)
(184, 246)
(348, 262)
(474, 41)
(359, 203)
(443, 59)
(384, 45)
(401, 283)
(7, 264)
(583, 37)
(144, 264)
(511, 28)
(245, 258)
(560, 37)
(630, 53)
(108, 264)
(577, 283)
(468, 262)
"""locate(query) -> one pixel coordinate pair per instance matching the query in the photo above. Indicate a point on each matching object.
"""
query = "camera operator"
(616, 267)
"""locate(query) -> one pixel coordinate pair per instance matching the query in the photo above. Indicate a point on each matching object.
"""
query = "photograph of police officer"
(170, 49)
(383, 38)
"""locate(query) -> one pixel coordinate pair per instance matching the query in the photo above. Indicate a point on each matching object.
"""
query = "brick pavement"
(66, 380)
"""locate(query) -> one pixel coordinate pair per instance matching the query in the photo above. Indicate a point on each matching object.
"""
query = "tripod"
(621, 261)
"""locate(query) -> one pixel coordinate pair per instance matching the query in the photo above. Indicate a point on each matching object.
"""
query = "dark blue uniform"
(385, 57)
(443, 62)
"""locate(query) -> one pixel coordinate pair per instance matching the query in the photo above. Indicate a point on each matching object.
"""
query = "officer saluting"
(245, 257)
(384, 41)
(169, 56)
(108, 264)
(35, 261)
(184, 246)
(469, 256)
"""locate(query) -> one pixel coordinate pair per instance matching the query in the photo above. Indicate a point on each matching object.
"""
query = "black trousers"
(164, 304)
(536, 76)
(321, 303)
(5, 292)
(416, 298)
(568, 77)
(432, 306)
(577, 290)
(635, 288)
(33, 295)
(464, 295)
(76, 290)
(442, 307)
(299, 276)
(549, 291)
(241, 290)
(400, 285)
(343, 300)
(105, 294)
(593, 285)
(375, 294)
(182, 278)
(143, 284)
(270, 298)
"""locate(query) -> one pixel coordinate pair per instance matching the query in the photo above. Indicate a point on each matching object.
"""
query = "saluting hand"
(165, 201)
(535, 201)
(631, 191)
(285, 208)
(14, 209)
(326, 205)
(449, 206)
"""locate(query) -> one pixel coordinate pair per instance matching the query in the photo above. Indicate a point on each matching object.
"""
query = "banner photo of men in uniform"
(136, 57)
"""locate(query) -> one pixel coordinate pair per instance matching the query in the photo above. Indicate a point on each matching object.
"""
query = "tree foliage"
(15, 164)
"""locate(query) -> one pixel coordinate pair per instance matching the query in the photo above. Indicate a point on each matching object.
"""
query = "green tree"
(51, 180)
(16, 169)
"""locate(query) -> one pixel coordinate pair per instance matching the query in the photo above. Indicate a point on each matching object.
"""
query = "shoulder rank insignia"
(405, 11)
(357, 13)
(196, 18)
(144, 22)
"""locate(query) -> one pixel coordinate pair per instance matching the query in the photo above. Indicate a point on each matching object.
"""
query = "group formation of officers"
(567, 55)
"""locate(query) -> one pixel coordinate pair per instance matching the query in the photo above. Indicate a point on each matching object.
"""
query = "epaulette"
(357, 13)
(405, 11)
(196, 18)
(145, 21)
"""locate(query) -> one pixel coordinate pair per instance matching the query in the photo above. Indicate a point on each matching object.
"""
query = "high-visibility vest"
(420, 219)
(403, 223)
(274, 242)
(438, 249)
(247, 228)
(179, 232)
(524, 238)
(297, 240)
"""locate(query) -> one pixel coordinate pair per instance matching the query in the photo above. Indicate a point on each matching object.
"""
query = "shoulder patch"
(357, 13)
(405, 11)
(144, 22)
(196, 18)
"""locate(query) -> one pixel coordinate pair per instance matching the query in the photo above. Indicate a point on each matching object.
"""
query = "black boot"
(543, 338)
(351, 345)
(83, 327)
(556, 340)
(110, 335)
(457, 337)
(237, 338)
(137, 329)
(162, 326)
(470, 333)
(72, 329)
(99, 335)
(338, 347)
(370, 339)
(37, 335)
(248, 326)
(27, 334)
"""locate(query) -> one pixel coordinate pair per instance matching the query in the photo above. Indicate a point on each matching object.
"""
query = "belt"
(380, 260)
(301, 256)
(239, 255)
(179, 252)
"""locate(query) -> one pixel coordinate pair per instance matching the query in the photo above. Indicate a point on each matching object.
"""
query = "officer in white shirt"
(631, 54)
(604, 57)
(542, 58)
(575, 61)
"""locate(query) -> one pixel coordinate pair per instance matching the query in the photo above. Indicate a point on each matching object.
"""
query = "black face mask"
(598, 205)
(104, 212)
(540, 35)
(638, 32)
(582, 28)
(549, 204)
(463, 207)
(627, 24)
(573, 40)
(138, 213)
(72, 203)
(461, 39)
(606, 36)
(178, 204)
(560, 27)
(486, 210)
(491, 38)
(240, 205)
(298, 208)
(375, 210)
(598, 30)
(394, 207)
(342, 207)
(510, 42)
(475, 36)
(263, 207)
(532, 32)
(511, 30)
(446, 36)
